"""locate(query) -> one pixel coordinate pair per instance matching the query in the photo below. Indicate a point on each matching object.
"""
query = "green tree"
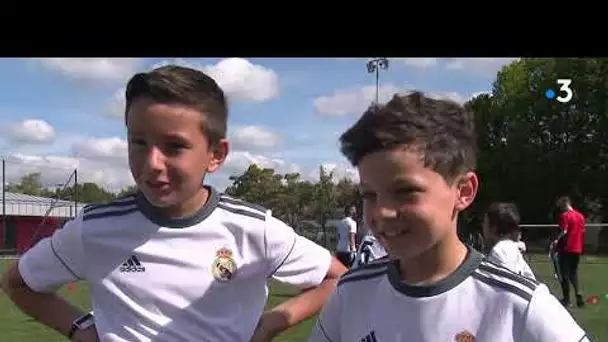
(533, 149)
(30, 184)
(259, 186)
(325, 200)
(130, 190)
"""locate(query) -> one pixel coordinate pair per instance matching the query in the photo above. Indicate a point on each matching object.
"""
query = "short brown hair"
(563, 201)
(504, 217)
(172, 84)
(443, 132)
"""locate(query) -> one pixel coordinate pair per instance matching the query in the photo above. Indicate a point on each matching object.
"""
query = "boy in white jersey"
(178, 261)
(416, 161)
(501, 231)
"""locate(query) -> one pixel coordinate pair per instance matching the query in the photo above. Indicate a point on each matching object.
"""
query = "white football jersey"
(201, 278)
(346, 227)
(507, 253)
(480, 301)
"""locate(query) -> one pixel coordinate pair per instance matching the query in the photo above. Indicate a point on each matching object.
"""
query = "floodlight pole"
(374, 66)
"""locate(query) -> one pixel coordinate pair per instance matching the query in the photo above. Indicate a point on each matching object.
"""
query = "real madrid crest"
(464, 336)
(224, 267)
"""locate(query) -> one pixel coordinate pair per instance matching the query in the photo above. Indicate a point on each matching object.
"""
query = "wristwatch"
(81, 323)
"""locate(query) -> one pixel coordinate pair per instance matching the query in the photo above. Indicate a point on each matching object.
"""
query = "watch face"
(86, 324)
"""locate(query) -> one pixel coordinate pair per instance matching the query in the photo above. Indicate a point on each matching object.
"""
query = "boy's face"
(168, 153)
(409, 207)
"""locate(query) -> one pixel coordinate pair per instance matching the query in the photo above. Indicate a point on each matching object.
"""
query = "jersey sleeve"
(548, 321)
(353, 226)
(327, 327)
(56, 260)
(293, 259)
(499, 256)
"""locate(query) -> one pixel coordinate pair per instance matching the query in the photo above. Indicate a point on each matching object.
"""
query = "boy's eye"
(175, 148)
(406, 193)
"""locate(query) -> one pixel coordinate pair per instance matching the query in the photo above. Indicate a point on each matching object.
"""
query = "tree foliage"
(533, 149)
(293, 199)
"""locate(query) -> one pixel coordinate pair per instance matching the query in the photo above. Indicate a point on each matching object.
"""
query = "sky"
(57, 114)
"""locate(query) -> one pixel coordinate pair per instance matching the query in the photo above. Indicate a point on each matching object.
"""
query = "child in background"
(501, 231)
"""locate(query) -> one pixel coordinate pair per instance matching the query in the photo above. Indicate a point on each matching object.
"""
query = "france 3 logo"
(565, 92)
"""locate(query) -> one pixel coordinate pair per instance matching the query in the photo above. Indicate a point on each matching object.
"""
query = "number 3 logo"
(565, 87)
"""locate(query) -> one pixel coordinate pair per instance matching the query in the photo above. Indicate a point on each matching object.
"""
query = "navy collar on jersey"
(468, 266)
(152, 214)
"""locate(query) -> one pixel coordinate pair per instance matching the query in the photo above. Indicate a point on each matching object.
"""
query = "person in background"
(501, 232)
(569, 246)
(369, 248)
(521, 245)
(347, 233)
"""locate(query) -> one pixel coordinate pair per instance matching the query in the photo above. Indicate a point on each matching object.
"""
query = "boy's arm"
(353, 236)
(563, 230)
(548, 321)
(32, 281)
(295, 260)
(327, 327)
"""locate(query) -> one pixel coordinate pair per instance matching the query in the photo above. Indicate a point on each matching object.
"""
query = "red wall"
(28, 226)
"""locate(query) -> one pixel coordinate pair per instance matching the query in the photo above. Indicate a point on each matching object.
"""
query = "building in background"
(26, 219)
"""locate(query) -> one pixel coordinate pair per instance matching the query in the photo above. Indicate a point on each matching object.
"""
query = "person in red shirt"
(569, 245)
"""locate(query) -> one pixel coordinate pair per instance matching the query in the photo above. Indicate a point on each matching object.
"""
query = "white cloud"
(116, 106)
(480, 66)
(415, 62)
(421, 63)
(57, 170)
(101, 149)
(487, 92)
(253, 138)
(239, 78)
(353, 100)
(30, 131)
(483, 66)
(104, 162)
(340, 171)
(356, 100)
(93, 69)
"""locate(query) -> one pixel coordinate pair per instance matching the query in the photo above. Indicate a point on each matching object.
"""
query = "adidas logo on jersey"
(132, 265)
(371, 337)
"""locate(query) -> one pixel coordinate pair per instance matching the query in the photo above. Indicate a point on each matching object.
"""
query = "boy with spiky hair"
(416, 162)
(178, 261)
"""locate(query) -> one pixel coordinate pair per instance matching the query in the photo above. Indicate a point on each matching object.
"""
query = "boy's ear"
(218, 154)
(466, 190)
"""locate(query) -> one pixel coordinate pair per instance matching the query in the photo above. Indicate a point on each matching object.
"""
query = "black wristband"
(78, 324)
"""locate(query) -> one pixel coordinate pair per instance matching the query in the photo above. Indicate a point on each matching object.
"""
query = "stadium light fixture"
(374, 66)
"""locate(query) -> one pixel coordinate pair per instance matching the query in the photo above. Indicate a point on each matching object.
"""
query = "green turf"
(14, 326)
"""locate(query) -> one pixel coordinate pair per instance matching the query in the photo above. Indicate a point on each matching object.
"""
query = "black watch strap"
(72, 331)
(78, 322)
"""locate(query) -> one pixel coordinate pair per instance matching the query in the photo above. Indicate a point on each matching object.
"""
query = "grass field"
(15, 327)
